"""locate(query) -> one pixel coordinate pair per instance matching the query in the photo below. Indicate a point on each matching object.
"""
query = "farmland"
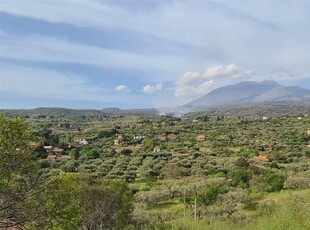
(203, 169)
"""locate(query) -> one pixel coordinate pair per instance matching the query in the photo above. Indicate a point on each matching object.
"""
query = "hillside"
(251, 92)
(63, 112)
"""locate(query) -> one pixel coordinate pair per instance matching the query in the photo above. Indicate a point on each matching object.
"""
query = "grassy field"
(287, 209)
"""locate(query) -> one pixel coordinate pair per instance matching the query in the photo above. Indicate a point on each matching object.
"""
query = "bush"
(239, 178)
(209, 195)
(297, 182)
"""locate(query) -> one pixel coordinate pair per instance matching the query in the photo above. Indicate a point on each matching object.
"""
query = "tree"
(171, 170)
(105, 204)
(126, 152)
(209, 195)
(75, 153)
(239, 178)
(27, 198)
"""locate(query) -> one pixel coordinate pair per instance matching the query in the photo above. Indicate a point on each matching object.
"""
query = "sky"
(146, 53)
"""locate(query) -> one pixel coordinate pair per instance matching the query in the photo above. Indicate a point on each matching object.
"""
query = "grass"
(291, 212)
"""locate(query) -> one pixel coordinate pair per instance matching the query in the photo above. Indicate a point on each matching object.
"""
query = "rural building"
(79, 139)
(48, 149)
(267, 148)
(172, 136)
(83, 142)
(117, 142)
(33, 145)
(222, 138)
(57, 150)
(200, 138)
(156, 149)
(308, 131)
(138, 138)
(261, 158)
(119, 136)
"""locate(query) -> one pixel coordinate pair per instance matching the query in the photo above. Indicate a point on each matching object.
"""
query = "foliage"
(239, 178)
(209, 195)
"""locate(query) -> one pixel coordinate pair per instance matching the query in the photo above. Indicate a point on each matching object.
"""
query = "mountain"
(251, 92)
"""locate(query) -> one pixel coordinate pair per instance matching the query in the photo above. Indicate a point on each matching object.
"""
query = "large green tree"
(27, 197)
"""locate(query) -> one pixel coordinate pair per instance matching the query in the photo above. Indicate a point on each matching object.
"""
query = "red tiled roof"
(261, 158)
(58, 150)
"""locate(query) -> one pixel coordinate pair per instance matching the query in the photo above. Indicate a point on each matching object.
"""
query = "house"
(299, 118)
(156, 149)
(117, 142)
(172, 136)
(222, 138)
(267, 148)
(119, 136)
(79, 139)
(261, 158)
(138, 138)
(308, 131)
(265, 118)
(33, 145)
(200, 138)
(57, 150)
(48, 149)
(83, 142)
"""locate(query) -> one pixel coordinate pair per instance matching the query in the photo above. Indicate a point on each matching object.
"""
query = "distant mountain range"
(245, 99)
(251, 92)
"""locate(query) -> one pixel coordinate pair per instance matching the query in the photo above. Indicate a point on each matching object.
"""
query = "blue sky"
(137, 54)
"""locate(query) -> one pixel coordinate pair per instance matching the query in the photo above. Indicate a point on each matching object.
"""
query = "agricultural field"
(189, 172)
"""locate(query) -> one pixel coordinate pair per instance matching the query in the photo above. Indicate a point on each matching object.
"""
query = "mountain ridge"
(251, 92)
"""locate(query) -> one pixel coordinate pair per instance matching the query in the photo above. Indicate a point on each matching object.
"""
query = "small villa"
(261, 158)
(33, 145)
(200, 138)
(172, 136)
(79, 139)
(156, 149)
(267, 148)
(138, 138)
(57, 150)
(119, 136)
(117, 142)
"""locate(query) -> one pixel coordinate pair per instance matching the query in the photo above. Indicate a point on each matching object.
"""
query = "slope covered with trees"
(129, 172)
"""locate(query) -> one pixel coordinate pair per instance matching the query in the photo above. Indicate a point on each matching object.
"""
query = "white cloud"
(233, 34)
(189, 77)
(192, 92)
(195, 84)
(122, 88)
(152, 88)
(221, 71)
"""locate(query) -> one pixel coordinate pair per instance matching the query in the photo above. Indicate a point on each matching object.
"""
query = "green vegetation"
(132, 172)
